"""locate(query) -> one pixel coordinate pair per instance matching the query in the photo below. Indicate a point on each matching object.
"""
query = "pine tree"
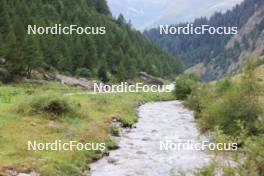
(121, 20)
(5, 25)
(102, 72)
(32, 56)
(14, 56)
(2, 46)
(91, 54)
(102, 7)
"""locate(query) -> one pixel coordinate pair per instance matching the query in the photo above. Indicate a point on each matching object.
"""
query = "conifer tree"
(32, 56)
(5, 25)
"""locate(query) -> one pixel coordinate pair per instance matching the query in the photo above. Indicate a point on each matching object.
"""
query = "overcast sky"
(149, 13)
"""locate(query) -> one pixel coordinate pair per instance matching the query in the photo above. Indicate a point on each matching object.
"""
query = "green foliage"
(110, 144)
(102, 73)
(233, 106)
(254, 157)
(199, 98)
(223, 85)
(127, 122)
(122, 51)
(184, 86)
(32, 55)
(208, 170)
(83, 72)
(114, 130)
(49, 106)
(228, 103)
(231, 110)
(229, 171)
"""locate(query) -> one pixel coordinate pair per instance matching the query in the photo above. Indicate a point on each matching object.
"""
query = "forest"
(194, 49)
(118, 55)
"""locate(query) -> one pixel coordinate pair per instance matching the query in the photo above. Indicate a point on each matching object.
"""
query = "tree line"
(118, 55)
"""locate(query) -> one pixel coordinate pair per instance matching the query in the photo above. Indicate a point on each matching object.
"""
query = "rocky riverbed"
(142, 149)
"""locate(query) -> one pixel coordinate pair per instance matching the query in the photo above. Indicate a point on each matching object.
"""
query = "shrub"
(223, 85)
(83, 72)
(208, 170)
(57, 107)
(114, 130)
(51, 106)
(199, 99)
(254, 157)
(229, 171)
(229, 103)
(111, 144)
(127, 122)
(184, 86)
(4, 75)
(234, 106)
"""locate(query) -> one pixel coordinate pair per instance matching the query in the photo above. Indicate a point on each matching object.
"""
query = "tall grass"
(49, 106)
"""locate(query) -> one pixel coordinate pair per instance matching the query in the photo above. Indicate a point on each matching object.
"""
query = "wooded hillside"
(119, 54)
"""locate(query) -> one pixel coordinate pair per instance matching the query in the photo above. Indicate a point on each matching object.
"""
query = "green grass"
(24, 116)
(115, 130)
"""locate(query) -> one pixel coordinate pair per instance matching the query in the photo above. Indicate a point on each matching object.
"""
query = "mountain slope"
(118, 55)
(218, 55)
(151, 13)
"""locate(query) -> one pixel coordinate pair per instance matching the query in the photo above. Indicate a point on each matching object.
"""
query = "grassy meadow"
(45, 114)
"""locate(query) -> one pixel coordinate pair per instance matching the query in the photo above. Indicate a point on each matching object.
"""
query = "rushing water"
(140, 154)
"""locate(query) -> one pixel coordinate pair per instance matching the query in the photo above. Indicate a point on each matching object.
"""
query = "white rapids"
(140, 153)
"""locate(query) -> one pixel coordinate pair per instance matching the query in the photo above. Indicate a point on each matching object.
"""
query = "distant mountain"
(213, 56)
(155, 12)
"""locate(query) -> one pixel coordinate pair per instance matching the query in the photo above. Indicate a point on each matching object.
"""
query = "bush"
(111, 144)
(115, 130)
(184, 86)
(254, 157)
(83, 72)
(232, 110)
(223, 85)
(234, 106)
(51, 106)
(199, 99)
(208, 170)
(228, 103)
(4, 75)
(57, 107)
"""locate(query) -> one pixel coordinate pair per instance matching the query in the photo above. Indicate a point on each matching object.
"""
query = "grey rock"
(82, 82)
(140, 152)
(4, 74)
(146, 139)
(111, 160)
(148, 79)
(30, 174)
(2, 61)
